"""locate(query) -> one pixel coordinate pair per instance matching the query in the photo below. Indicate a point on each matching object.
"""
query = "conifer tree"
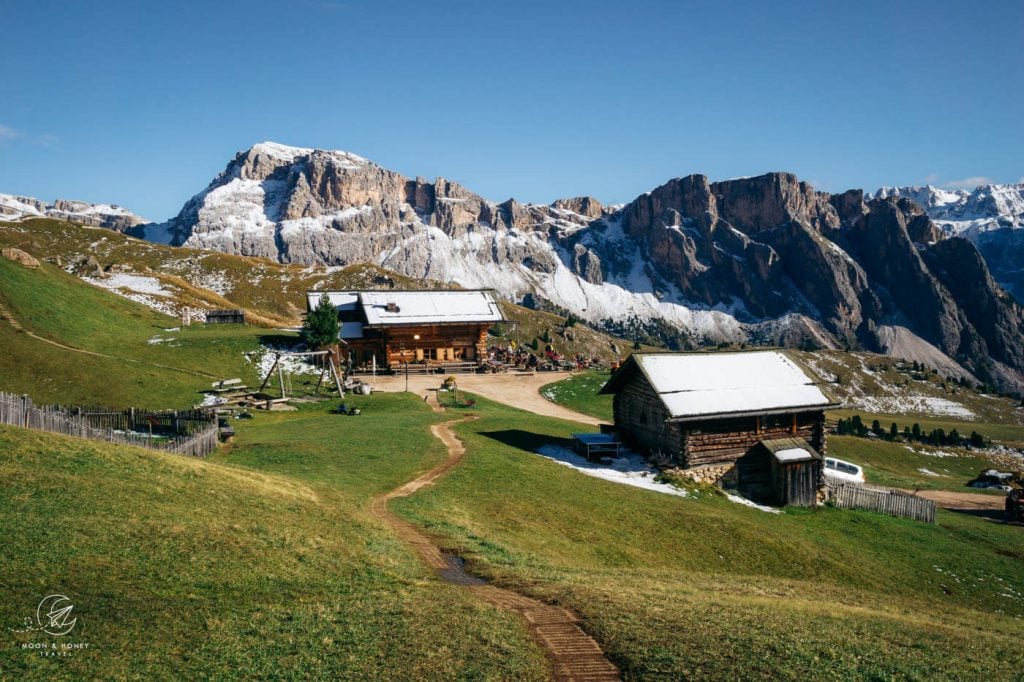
(321, 326)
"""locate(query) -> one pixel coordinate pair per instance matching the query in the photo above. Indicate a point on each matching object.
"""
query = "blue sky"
(142, 103)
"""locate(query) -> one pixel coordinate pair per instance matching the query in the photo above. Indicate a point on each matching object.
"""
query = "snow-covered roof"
(793, 455)
(699, 385)
(429, 307)
(342, 300)
(390, 307)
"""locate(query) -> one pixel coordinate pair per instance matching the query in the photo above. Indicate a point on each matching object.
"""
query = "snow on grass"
(732, 497)
(931, 453)
(917, 404)
(929, 472)
(630, 469)
(145, 290)
(136, 283)
(264, 360)
(211, 399)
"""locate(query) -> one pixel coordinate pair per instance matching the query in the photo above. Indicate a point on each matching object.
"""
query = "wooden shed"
(432, 328)
(714, 412)
(225, 317)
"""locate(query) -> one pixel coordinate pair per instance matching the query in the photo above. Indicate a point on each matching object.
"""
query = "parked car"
(841, 471)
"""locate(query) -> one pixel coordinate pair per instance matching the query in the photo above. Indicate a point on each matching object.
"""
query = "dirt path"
(949, 499)
(574, 654)
(515, 389)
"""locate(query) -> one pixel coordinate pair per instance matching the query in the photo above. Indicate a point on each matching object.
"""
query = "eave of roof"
(798, 409)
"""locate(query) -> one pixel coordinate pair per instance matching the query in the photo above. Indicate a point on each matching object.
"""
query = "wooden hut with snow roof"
(751, 420)
(432, 328)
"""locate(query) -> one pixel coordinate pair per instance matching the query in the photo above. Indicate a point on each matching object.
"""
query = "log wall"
(640, 418)
(725, 440)
(437, 344)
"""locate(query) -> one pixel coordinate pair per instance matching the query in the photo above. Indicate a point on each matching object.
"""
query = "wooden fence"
(185, 432)
(884, 501)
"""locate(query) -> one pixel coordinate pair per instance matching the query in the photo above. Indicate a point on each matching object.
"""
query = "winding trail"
(574, 654)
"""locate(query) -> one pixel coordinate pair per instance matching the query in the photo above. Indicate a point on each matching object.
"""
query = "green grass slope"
(59, 307)
(190, 569)
(708, 589)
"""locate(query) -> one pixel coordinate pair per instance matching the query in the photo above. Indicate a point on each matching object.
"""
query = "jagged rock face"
(767, 259)
(990, 216)
(111, 216)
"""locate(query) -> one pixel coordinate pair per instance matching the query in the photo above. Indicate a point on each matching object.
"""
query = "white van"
(843, 472)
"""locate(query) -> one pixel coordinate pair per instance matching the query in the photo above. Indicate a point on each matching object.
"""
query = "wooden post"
(270, 373)
(280, 378)
(337, 380)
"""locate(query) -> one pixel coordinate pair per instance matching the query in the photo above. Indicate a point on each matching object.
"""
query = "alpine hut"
(751, 420)
(393, 327)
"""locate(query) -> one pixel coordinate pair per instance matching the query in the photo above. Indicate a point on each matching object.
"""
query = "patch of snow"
(629, 469)
(210, 399)
(793, 455)
(145, 290)
(929, 472)
(919, 404)
(732, 497)
(264, 360)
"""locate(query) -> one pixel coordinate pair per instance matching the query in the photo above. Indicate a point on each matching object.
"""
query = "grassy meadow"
(704, 588)
(141, 362)
(262, 563)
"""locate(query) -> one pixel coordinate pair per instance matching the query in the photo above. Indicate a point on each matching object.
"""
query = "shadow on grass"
(285, 342)
(991, 514)
(526, 440)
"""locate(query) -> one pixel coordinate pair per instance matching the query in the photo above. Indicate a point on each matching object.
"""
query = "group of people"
(519, 356)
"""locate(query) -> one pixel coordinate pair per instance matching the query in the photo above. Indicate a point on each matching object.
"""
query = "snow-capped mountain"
(991, 217)
(958, 212)
(767, 259)
(115, 217)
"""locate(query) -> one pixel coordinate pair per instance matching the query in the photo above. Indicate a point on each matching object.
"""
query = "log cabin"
(431, 328)
(750, 420)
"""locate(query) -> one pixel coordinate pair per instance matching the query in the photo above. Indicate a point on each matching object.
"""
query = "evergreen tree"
(906, 433)
(954, 437)
(321, 326)
(876, 427)
(916, 431)
(894, 431)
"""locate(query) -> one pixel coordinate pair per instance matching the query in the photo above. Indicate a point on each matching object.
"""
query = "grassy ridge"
(59, 307)
(188, 569)
(710, 589)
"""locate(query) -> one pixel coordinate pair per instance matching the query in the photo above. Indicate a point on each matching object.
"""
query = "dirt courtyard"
(516, 389)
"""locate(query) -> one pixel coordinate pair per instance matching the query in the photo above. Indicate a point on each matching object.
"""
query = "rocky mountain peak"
(762, 259)
(112, 216)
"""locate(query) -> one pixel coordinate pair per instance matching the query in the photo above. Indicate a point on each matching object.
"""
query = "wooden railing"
(884, 501)
(185, 432)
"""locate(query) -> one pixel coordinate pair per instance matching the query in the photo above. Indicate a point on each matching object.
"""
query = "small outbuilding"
(751, 420)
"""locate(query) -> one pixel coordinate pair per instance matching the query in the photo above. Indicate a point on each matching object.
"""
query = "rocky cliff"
(765, 259)
(990, 216)
(13, 207)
